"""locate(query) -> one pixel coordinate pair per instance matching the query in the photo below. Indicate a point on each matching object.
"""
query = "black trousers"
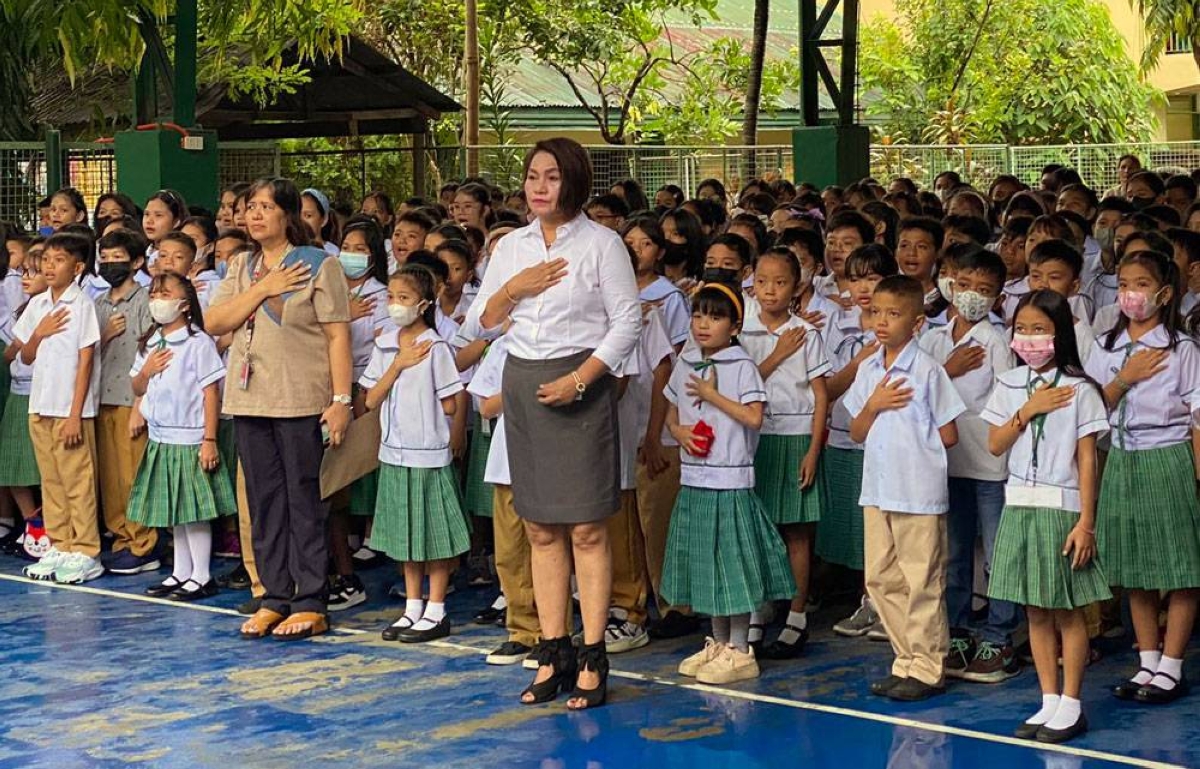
(282, 462)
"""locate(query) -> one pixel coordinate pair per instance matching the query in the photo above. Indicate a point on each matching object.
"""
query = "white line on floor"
(733, 693)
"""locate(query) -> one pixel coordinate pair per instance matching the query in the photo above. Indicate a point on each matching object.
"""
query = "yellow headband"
(727, 291)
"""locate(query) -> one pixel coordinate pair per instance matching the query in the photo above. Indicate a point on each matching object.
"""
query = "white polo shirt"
(21, 376)
(416, 432)
(486, 383)
(1157, 412)
(363, 330)
(1085, 339)
(970, 458)
(1103, 290)
(1106, 320)
(205, 283)
(905, 467)
(674, 306)
(1057, 439)
(730, 462)
(1014, 291)
(174, 401)
(790, 400)
(633, 410)
(844, 338)
(53, 384)
(12, 296)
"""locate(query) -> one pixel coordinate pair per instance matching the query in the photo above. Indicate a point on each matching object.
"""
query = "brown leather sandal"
(319, 624)
(261, 623)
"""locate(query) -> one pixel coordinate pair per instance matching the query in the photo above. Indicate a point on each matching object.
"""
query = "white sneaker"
(44, 568)
(621, 635)
(858, 623)
(877, 633)
(690, 666)
(729, 667)
(78, 568)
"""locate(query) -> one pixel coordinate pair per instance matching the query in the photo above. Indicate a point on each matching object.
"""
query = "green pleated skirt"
(419, 515)
(777, 480)
(840, 530)
(1028, 567)
(364, 494)
(18, 464)
(171, 489)
(724, 556)
(227, 447)
(1148, 519)
(479, 493)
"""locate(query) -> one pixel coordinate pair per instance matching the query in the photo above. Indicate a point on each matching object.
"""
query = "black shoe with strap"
(593, 657)
(782, 650)
(559, 654)
(1128, 688)
(1152, 694)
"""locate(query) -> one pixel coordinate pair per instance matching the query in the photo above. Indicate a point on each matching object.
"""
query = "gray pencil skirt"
(565, 461)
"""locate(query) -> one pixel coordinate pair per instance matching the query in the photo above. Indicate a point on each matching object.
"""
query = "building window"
(1178, 44)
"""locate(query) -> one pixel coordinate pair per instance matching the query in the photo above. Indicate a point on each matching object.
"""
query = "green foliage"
(1015, 71)
(1164, 18)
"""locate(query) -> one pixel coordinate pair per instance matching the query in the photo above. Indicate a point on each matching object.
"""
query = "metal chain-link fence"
(22, 182)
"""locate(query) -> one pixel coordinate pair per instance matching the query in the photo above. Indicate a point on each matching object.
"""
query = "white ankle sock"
(182, 570)
(1149, 661)
(434, 613)
(413, 609)
(500, 603)
(1168, 666)
(796, 619)
(1049, 706)
(1067, 714)
(756, 634)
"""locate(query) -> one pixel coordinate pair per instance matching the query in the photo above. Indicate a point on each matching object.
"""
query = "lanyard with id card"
(1033, 495)
(247, 367)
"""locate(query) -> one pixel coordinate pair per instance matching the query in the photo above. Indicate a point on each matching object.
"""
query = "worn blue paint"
(98, 681)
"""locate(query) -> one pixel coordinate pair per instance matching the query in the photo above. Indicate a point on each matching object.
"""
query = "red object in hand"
(704, 435)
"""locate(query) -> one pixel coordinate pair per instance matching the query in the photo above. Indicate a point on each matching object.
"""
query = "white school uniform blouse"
(487, 382)
(1102, 290)
(674, 306)
(53, 385)
(93, 286)
(1155, 413)
(970, 458)
(12, 296)
(21, 376)
(790, 399)
(1106, 320)
(1014, 291)
(633, 410)
(595, 307)
(1056, 446)
(1085, 338)
(363, 330)
(1187, 302)
(730, 462)
(174, 401)
(905, 466)
(205, 283)
(844, 338)
(416, 432)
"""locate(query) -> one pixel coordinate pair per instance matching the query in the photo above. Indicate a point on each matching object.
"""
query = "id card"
(244, 374)
(1034, 496)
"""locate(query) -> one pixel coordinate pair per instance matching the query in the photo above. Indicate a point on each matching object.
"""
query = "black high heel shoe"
(592, 657)
(559, 654)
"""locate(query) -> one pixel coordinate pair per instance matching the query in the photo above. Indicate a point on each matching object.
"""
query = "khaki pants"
(905, 559)
(516, 573)
(117, 460)
(655, 501)
(628, 563)
(247, 541)
(68, 485)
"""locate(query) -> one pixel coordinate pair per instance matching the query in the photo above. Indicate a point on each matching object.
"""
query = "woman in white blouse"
(567, 285)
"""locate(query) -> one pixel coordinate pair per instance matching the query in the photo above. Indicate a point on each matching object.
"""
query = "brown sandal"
(318, 624)
(261, 623)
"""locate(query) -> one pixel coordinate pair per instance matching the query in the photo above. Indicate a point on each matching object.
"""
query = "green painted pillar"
(185, 63)
(54, 161)
(832, 154)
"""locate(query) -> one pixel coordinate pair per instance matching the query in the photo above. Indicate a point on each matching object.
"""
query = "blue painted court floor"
(97, 677)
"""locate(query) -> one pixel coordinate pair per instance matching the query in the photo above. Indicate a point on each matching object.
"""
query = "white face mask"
(972, 305)
(165, 311)
(405, 315)
(946, 288)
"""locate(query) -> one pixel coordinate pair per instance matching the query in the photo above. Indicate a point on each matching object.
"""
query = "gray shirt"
(116, 358)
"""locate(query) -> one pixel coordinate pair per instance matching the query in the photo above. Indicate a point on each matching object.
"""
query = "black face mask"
(676, 253)
(115, 273)
(1141, 204)
(724, 275)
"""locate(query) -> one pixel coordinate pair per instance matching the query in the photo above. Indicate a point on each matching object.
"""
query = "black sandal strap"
(1167, 676)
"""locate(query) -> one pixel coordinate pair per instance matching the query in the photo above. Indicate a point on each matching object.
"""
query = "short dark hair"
(982, 260)
(973, 227)
(130, 242)
(871, 258)
(1187, 240)
(926, 224)
(182, 238)
(1058, 251)
(1053, 224)
(852, 220)
(614, 203)
(762, 238)
(285, 195)
(907, 289)
(417, 217)
(1151, 180)
(737, 244)
(429, 261)
(1164, 214)
(233, 234)
(75, 244)
(809, 240)
(1115, 203)
(1181, 182)
(575, 168)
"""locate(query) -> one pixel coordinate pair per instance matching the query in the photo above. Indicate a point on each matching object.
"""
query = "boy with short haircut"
(11, 294)
(229, 244)
(1187, 257)
(407, 236)
(963, 228)
(1056, 265)
(123, 313)
(847, 231)
(177, 254)
(59, 332)
(608, 210)
(974, 354)
(903, 406)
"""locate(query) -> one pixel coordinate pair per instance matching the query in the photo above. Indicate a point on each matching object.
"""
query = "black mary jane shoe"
(164, 588)
(1156, 695)
(781, 650)
(194, 591)
(1128, 688)
(414, 636)
(593, 657)
(398, 628)
(559, 654)
(1027, 731)
(1056, 736)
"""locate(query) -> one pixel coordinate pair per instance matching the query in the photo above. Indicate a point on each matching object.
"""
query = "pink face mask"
(1035, 349)
(1137, 305)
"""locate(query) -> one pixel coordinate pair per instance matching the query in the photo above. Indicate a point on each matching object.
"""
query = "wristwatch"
(345, 400)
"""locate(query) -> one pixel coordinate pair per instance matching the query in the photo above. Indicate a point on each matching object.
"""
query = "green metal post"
(185, 63)
(145, 93)
(54, 160)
